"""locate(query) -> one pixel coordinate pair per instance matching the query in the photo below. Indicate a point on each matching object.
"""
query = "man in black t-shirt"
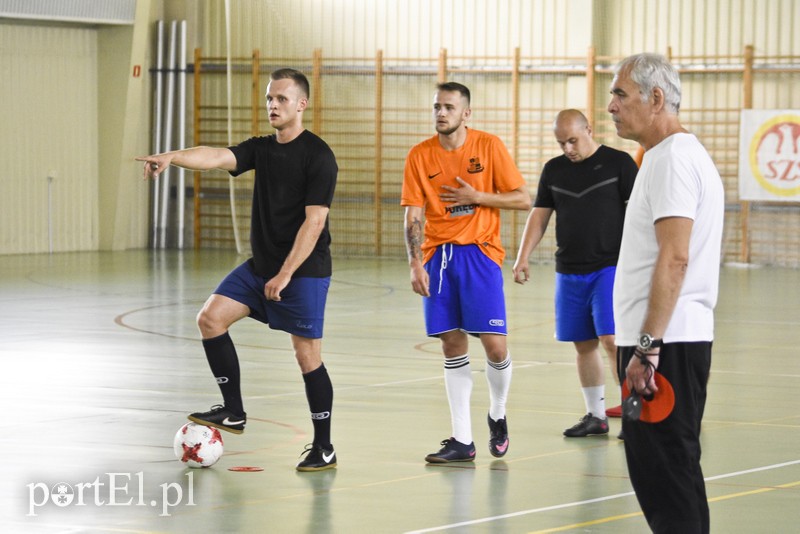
(285, 283)
(588, 187)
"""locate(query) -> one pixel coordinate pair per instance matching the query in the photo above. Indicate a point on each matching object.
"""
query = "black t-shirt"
(289, 177)
(589, 199)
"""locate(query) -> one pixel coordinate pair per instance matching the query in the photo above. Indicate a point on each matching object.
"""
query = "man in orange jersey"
(457, 181)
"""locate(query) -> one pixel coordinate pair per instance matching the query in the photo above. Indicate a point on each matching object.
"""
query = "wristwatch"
(647, 341)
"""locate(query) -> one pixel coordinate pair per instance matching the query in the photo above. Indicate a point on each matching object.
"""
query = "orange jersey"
(482, 161)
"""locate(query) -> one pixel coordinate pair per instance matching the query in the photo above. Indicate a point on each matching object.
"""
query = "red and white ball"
(197, 445)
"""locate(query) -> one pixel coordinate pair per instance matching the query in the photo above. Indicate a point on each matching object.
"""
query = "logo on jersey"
(474, 166)
(460, 211)
(432, 176)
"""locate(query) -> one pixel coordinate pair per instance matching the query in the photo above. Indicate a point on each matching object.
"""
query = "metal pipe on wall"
(165, 175)
(229, 79)
(157, 122)
(181, 131)
(164, 128)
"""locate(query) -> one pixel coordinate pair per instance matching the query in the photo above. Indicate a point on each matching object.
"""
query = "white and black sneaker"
(317, 458)
(220, 417)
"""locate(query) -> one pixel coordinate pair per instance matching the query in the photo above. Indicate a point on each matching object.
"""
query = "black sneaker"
(318, 459)
(220, 417)
(589, 425)
(452, 451)
(498, 436)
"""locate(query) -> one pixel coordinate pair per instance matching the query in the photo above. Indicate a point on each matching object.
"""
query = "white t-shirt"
(677, 179)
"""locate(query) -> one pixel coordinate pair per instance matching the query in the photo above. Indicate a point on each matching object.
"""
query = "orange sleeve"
(639, 156)
(413, 190)
(507, 176)
(411, 194)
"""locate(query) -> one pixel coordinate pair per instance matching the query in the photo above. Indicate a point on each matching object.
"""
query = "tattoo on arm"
(414, 239)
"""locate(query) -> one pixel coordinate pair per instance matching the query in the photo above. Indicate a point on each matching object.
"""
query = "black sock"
(319, 392)
(224, 363)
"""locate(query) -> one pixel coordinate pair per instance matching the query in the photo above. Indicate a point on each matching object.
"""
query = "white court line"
(582, 503)
(521, 513)
(745, 373)
(754, 470)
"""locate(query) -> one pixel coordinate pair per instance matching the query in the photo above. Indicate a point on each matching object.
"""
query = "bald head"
(574, 135)
(570, 116)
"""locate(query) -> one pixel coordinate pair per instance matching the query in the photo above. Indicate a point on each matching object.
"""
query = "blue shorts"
(301, 310)
(585, 305)
(466, 289)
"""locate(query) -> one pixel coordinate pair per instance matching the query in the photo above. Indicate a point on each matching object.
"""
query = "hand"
(420, 281)
(153, 165)
(641, 376)
(521, 271)
(460, 196)
(274, 286)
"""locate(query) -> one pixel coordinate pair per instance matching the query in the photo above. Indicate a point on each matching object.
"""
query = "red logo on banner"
(775, 155)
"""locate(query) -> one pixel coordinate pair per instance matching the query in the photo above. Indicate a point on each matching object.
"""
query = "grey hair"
(649, 71)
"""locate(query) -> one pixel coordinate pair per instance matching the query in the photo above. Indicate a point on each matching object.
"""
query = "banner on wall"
(769, 155)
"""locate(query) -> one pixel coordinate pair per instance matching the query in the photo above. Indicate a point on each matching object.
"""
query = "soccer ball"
(197, 445)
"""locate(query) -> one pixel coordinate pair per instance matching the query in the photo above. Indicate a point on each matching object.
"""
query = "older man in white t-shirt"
(665, 291)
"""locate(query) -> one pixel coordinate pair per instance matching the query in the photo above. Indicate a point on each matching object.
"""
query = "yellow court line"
(628, 516)
(754, 492)
(588, 523)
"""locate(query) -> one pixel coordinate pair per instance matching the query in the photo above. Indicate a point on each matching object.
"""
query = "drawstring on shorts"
(443, 265)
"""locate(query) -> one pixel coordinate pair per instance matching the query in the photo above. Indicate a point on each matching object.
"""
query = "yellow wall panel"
(49, 128)
(401, 28)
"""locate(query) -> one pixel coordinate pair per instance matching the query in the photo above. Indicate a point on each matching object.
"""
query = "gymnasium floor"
(102, 361)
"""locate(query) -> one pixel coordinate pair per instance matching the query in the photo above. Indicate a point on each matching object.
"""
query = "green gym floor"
(102, 361)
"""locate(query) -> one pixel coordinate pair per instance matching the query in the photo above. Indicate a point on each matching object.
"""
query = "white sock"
(594, 397)
(498, 376)
(458, 382)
